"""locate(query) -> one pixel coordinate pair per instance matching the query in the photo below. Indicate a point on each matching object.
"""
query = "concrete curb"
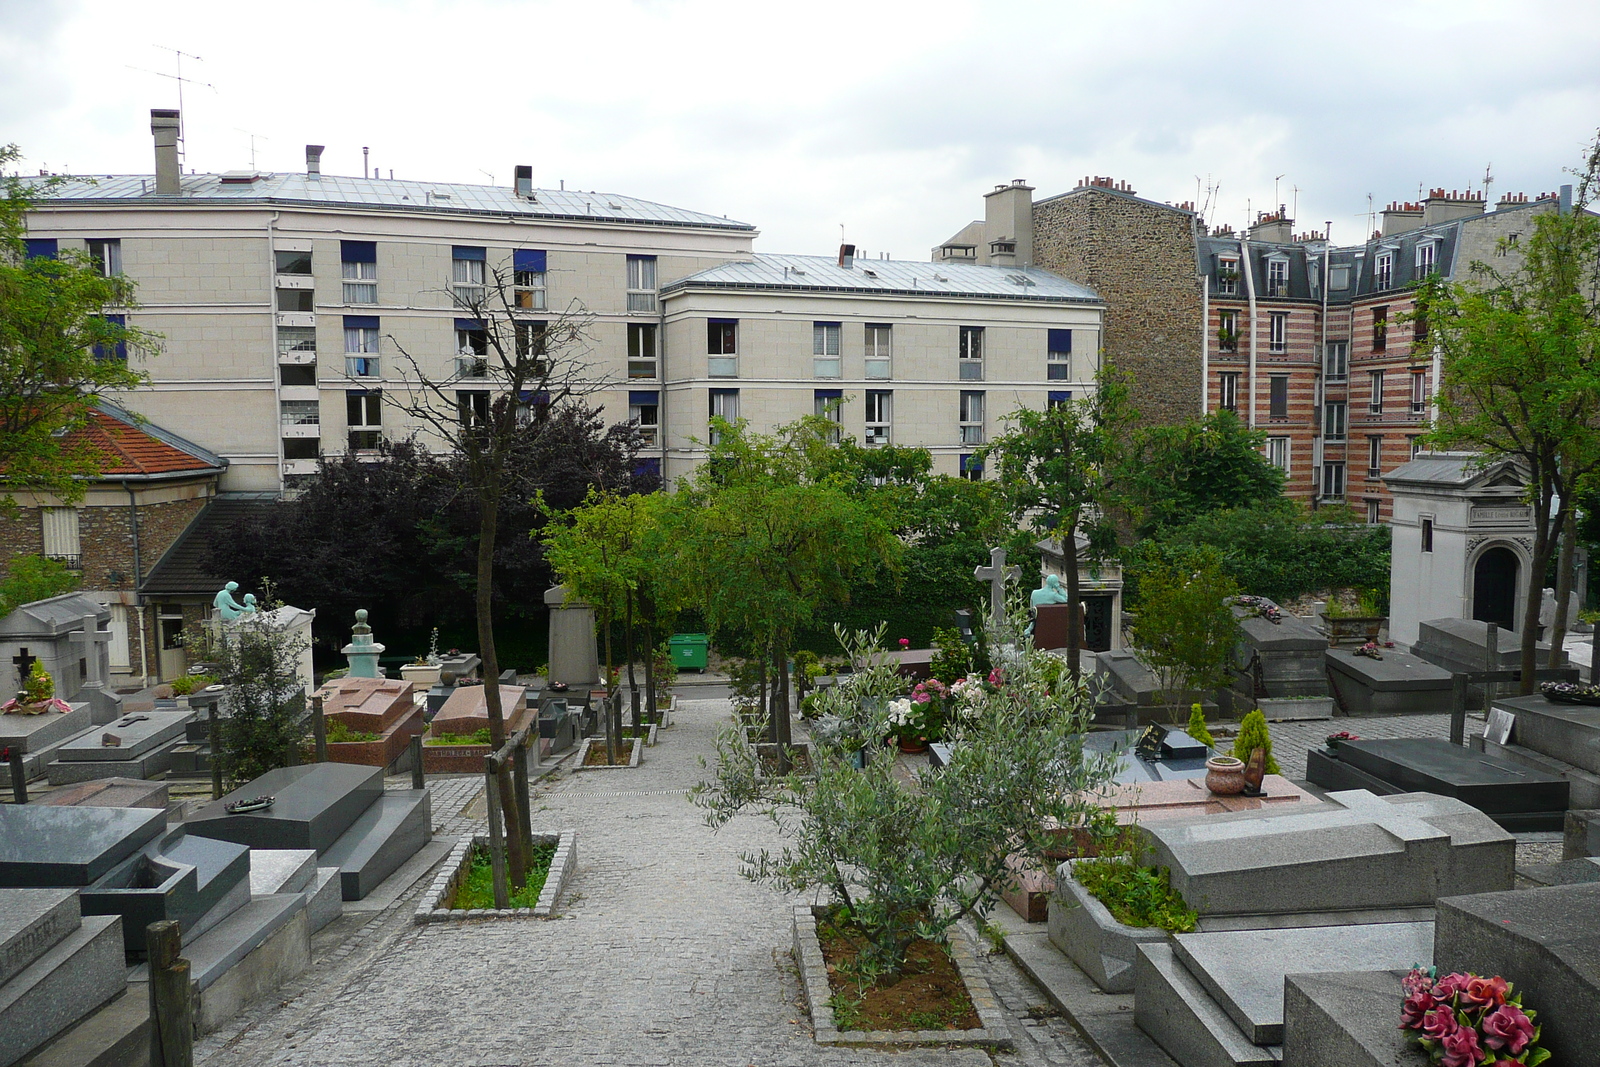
(434, 905)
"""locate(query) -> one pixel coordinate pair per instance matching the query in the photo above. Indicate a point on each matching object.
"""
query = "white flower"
(900, 712)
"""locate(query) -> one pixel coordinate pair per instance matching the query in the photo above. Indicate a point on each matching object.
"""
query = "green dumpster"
(689, 650)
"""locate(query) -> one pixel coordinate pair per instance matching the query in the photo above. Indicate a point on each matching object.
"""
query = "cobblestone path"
(664, 954)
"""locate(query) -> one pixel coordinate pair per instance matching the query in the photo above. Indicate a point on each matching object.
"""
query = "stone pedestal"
(363, 651)
(574, 655)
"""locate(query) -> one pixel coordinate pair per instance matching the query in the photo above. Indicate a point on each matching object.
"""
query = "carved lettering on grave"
(1500, 516)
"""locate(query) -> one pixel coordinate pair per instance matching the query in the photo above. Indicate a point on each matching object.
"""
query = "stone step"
(385, 836)
(281, 870)
(324, 899)
(32, 921)
(218, 950)
(1345, 1020)
(78, 974)
(156, 761)
(1173, 1008)
(118, 1035)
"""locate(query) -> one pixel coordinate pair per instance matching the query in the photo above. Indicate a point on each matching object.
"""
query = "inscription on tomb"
(1504, 516)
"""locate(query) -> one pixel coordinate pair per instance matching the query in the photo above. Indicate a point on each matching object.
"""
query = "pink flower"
(1483, 992)
(1450, 985)
(1439, 1023)
(920, 695)
(905, 642)
(1416, 1006)
(1418, 980)
(994, 677)
(1460, 1048)
(1507, 1027)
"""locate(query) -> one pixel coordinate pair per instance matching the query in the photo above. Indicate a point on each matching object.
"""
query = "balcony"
(73, 561)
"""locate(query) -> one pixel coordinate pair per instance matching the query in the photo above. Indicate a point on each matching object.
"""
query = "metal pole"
(497, 843)
(214, 742)
(19, 777)
(1458, 708)
(319, 730)
(417, 779)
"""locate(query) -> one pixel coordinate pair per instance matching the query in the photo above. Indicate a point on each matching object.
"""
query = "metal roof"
(1451, 469)
(384, 195)
(888, 276)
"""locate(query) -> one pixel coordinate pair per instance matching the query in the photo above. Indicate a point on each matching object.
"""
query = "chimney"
(1273, 227)
(524, 181)
(164, 127)
(1564, 205)
(314, 160)
(1008, 225)
(847, 256)
(1442, 207)
(1398, 217)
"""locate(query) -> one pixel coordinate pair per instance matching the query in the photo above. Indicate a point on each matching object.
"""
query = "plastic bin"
(689, 651)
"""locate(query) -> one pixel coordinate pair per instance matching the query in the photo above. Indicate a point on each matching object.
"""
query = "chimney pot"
(164, 127)
(524, 180)
(314, 160)
(847, 256)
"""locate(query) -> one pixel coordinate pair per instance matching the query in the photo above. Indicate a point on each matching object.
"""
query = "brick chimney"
(1442, 207)
(164, 127)
(1273, 227)
(1398, 217)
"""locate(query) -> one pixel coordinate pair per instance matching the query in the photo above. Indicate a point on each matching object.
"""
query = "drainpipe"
(1246, 268)
(138, 577)
(1205, 343)
(1322, 363)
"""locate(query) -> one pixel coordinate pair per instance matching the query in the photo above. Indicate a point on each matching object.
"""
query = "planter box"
(650, 737)
(435, 905)
(814, 979)
(1357, 628)
(583, 754)
(1091, 937)
(384, 751)
(424, 675)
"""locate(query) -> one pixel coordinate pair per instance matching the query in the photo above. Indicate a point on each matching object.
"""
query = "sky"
(883, 122)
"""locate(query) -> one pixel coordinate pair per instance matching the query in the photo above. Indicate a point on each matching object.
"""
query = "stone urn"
(1225, 775)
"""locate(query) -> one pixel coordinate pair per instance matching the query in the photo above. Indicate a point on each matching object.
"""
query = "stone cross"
(24, 664)
(997, 574)
(89, 640)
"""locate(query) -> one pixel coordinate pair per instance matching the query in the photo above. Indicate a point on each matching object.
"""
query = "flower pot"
(1225, 775)
(422, 675)
(913, 745)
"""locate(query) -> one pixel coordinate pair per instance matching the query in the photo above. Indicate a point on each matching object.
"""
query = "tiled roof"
(901, 277)
(185, 568)
(135, 450)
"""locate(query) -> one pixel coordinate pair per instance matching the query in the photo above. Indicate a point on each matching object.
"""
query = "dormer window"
(1277, 277)
(1383, 271)
(1427, 253)
(1227, 275)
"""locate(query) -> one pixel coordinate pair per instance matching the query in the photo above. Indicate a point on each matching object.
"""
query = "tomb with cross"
(70, 635)
(997, 574)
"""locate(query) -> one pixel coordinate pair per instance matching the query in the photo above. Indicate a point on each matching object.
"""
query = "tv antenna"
(178, 57)
(253, 135)
(1488, 180)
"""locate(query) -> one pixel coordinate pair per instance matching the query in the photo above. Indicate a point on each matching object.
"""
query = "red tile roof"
(131, 451)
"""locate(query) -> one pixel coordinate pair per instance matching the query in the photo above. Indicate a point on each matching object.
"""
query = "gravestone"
(109, 793)
(70, 846)
(138, 745)
(362, 652)
(466, 711)
(71, 636)
(996, 575)
(1460, 646)
(1285, 657)
(55, 966)
(1121, 677)
(1555, 738)
(371, 705)
(193, 881)
(1397, 684)
(574, 654)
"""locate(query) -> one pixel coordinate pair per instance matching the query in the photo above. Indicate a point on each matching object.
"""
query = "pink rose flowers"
(1467, 1020)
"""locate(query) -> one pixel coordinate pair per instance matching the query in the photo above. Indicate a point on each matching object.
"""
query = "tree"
(1184, 626)
(63, 345)
(1205, 465)
(1520, 355)
(1060, 470)
(30, 578)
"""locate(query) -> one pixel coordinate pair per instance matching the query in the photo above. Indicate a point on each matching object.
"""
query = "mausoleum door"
(1097, 623)
(1494, 588)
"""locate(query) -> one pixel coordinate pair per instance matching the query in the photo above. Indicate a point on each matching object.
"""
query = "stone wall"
(1140, 257)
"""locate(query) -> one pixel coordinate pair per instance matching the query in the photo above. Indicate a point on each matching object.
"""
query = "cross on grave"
(87, 640)
(24, 664)
(997, 574)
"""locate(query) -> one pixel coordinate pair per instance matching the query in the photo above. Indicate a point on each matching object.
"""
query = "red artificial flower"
(1460, 1048)
(1418, 980)
(905, 642)
(1439, 1023)
(1507, 1027)
(1416, 1006)
(1450, 985)
(1484, 992)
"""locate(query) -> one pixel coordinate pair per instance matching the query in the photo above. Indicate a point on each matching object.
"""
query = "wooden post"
(1458, 709)
(1491, 663)
(497, 842)
(417, 779)
(19, 777)
(519, 771)
(171, 999)
(319, 730)
(214, 741)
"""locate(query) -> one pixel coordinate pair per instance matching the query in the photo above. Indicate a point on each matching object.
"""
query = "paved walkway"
(664, 954)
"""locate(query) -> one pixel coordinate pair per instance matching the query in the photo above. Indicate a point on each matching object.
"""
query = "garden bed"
(599, 743)
(1086, 931)
(926, 998)
(438, 902)
(647, 731)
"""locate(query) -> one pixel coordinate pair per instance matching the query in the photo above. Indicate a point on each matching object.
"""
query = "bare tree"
(511, 370)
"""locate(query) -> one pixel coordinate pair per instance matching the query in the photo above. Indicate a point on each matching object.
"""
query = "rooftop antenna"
(1372, 220)
(1275, 182)
(487, 175)
(1488, 180)
(1296, 193)
(181, 80)
(253, 137)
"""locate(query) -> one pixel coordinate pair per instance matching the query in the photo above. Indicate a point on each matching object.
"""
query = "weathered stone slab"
(313, 805)
(70, 846)
(30, 733)
(71, 979)
(181, 878)
(31, 921)
(1346, 1020)
(1289, 654)
(1084, 929)
(1172, 1007)
(1567, 732)
(1398, 684)
(145, 765)
(109, 793)
(127, 738)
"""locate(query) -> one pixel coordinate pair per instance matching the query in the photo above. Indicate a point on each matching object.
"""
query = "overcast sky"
(891, 119)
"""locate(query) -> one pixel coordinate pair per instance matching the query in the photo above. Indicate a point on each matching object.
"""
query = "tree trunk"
(650, 663)
(1069, 550)
(1529, 663)
(488, 521)
(627, 639)
(1565, 562)
(780, 705)
(605, 705)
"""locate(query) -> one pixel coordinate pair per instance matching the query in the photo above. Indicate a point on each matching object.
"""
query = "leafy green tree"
(1183, 625)
(29, 578)
(1520, 353)
(64, 344)
(1181, 472)
(1060, 470)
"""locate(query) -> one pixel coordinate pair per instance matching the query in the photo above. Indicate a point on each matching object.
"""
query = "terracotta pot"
(913, 745)
(1225, 775)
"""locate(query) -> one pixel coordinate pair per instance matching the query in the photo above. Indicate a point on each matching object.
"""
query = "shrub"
(1197, 728)
(340, 734)
(39, 686)
(1253, 734)
(1184, 627)
(191, 683)
(1136, 896)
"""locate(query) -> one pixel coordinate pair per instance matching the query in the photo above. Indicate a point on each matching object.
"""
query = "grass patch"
(596, 756)
(477, 888)
(477, 737)
(928, 994)
(1136, 896)
(340, 734)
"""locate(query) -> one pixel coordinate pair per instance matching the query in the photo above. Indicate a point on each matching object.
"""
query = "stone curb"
(432, 909)
(814, 979)
(583, 754)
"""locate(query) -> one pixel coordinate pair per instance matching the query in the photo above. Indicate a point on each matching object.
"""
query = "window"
(1427, 535)
(1278, 396)
(971, 468)
(1278, 453)
(301, 447)
(472, 349)
(118, 351)
(472, 408)
(1333, 420)
(1374, 456)
(468, 269)
(1055, 398)
(724, 406)
(364, 415)
(61, 536)
(880, 416)
(1058, 356)
(297, 374)
(293, 262)
(106, 255)
(1374, 511)
(41, 247)
(641, 283)
(301, 300)
(1419, 325)
(1380, 329)
(1227, 275)
(1426, 251)
(361, 346)
(1375, 392)
(359, 269)
(530, 340)
(825, 349)
(296, 339)
(1419, 391)
(971, 418)
(1227, 330)
(1278, 335)
(1228, 391)
(527, 279)
(1336, 361)
(1383, 271)
(722, 347)
(642, 349)
(644, 411)
(299, 413)
(970, 354)
(878, 351)
(829, 403)
(1338, 278)
(1416, 445)
(1277, 277)
(1333, 480)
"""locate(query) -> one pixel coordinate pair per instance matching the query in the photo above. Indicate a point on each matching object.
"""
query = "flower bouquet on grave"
(1370, 650)
(1571, 692)
(1336, 739)
(1462, 1020)
(38, 695)
(908, 724)
(1259, 607)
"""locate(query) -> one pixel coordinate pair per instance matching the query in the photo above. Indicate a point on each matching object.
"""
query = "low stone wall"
(435, 906)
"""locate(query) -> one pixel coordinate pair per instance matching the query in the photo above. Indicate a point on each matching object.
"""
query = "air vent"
(869, 273)
(1018, 279)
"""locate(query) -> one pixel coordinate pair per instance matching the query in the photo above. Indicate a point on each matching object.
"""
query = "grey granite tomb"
(55, 967)
(1461, 646)
(70, 846)
(193, 881)
(137, 745)
(1558, 739)
(1397, 684)
(1289, 653)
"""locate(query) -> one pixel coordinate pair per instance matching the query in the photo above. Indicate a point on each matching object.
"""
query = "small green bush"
(1136, 896)
(1253, 735)
(191, 683)
(340, 734)
(477, 888)
(1197, 728)
(477, 737)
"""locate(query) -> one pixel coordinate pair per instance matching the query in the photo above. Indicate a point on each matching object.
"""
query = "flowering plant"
(1370, 650)
(1464, 1020)
(908, 719)
(1259, 606)
(905, 642)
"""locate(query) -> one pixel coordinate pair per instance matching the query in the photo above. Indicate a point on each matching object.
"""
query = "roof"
(136, 450)
(331, 190)
(1122, 194)
(52, 616)
(1452, 470)
(185, 568)
(900, 277)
